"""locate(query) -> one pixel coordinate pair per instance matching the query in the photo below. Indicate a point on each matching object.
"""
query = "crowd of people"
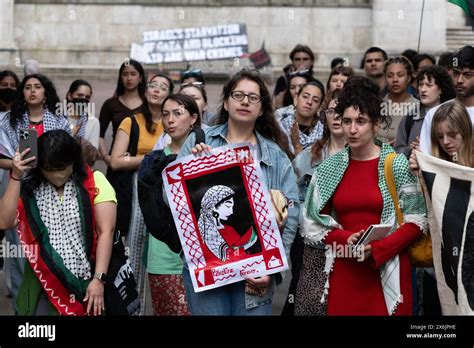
(323, 146)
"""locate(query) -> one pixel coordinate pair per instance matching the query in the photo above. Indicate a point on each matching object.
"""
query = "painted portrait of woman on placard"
(224, 216)
(222, 239)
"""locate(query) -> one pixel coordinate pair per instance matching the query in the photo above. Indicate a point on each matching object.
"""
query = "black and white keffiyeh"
(9, 136)
(287, 120)
(207, 222)
(63, 219)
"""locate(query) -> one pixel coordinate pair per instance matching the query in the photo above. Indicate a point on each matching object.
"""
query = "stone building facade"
(99, 33)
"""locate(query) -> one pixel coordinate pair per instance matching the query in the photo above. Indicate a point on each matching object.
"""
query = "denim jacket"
(279, 175)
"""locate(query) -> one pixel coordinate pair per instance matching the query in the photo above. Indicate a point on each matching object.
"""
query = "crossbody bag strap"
(392, 188)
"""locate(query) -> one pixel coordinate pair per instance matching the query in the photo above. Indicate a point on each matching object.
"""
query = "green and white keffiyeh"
(327, 176)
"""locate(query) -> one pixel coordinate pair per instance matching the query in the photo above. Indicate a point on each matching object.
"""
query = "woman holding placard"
(246, 115)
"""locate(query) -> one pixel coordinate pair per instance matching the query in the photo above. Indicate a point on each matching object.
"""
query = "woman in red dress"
(347, 194)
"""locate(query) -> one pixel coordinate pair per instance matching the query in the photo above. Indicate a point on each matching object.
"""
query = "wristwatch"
(101, 276)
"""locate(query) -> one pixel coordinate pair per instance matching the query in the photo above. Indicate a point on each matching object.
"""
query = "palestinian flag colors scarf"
(64, 290)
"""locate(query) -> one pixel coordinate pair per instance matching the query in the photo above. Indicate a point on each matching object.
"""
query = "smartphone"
(29, 139)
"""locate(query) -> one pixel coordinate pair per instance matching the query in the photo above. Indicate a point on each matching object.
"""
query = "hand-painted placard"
(224, 216)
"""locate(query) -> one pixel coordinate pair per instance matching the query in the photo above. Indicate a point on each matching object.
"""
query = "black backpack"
(156, 214)
(122, 182)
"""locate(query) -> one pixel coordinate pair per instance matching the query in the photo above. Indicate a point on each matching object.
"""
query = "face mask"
(7, 95)
(58, 177)
(80, 101)
(78, 106)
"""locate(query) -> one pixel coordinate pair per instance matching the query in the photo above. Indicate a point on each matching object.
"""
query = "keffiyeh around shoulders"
(9, 136)
(62, 218)
(315, 225)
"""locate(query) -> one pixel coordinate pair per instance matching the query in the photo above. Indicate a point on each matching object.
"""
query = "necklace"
(306, 129)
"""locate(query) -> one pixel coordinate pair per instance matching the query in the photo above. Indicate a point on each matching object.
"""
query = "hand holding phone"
(29, 139)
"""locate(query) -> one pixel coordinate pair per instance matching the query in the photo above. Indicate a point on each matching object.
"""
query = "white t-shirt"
(93, 131)
(425, 135)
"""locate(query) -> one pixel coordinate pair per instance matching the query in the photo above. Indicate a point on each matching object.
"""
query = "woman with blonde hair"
(451, 134)
(451, 140)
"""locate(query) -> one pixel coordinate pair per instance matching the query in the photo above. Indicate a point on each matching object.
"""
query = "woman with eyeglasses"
(246, 115)
(397, 103)
(304, 164)
(150, 128)
(128, 99)
(303, 127)
(348, 193)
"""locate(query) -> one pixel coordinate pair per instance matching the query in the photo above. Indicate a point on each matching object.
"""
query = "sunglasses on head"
(192, 73)
(299, 73)
(194, 84)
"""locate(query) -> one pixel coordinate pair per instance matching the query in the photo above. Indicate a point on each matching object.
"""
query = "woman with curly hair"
(435, 87)
(348, 193)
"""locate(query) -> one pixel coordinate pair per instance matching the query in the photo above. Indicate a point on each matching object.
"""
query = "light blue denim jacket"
(279, 175)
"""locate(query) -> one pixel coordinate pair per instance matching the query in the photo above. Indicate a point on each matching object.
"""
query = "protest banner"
(451, 220)
(224, 216)
(191, 44)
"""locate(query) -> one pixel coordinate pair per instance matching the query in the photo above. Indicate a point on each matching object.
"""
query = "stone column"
(396, 25)
(7, 44)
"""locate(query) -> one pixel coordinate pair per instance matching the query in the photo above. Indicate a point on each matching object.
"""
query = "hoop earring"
(215, 215)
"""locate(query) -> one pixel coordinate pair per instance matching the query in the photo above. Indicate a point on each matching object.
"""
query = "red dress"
(235, 242)
(355, 287)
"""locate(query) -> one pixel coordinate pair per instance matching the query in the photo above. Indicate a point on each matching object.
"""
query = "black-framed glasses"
(253, 98)
(332, 112)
